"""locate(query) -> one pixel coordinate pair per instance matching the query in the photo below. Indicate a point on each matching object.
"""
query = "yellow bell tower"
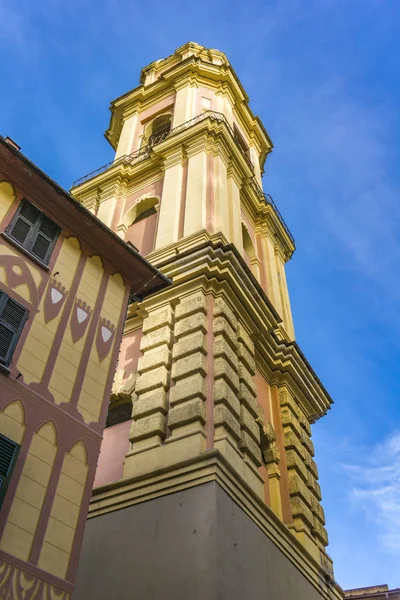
(206, 475)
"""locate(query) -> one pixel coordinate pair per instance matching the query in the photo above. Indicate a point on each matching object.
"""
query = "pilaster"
(170, 206)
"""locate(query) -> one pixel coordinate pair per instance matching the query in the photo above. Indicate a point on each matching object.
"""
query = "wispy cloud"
(376, 489)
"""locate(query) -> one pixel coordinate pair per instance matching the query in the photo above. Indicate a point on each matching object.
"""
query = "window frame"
(4, 297)
(34, 232)
(5, 479)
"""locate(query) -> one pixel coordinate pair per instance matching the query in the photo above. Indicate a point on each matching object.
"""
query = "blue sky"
(323, 76)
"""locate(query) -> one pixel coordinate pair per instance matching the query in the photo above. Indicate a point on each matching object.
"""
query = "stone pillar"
(184, 102)
(187, 414)
(150, 403)
(284, 294)
(226, 382)
(304, 491)
(125, 142)
(250, 442)
(235, 213)
(195, 209)
(170, 205)
(221, 206)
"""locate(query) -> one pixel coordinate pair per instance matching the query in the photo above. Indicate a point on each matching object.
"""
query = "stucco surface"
(194, 544)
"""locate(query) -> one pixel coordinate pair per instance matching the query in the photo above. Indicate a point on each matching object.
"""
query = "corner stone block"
(189, 344)
(222, 348)
(247, 359)
(158, 318)
(148, 426)
(223, 394)
(151, 402)
(188, 412)
(248, 446)
(248, 423)
(154, 358)
(293, 461)
(221, 308)
(156, 338)
(190, 387)
(152, 380)
(189, 365)
(223, 417)
(223, 369)
(222, 327)
(245, 338)
(190, 324)
(249, 400)
(300, 509)
(190, 305)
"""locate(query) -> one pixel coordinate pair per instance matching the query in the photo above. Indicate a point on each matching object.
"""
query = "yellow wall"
(60, 532)
(25, 510)
(92, 390)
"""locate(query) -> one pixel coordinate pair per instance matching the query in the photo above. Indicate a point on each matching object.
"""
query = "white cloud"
(376, 490)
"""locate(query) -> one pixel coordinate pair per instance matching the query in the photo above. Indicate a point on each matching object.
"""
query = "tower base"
(194, 544)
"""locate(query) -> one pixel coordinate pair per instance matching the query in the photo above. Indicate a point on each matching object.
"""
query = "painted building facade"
(65, 281)
(206, 486)
(373, 592)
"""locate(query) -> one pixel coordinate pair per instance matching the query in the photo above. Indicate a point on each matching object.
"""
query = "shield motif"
(104, 338)
(80, 319)
(54, 299)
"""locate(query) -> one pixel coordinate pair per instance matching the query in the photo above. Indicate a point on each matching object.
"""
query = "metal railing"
(155, 139)
(269, 200)
(143, 152)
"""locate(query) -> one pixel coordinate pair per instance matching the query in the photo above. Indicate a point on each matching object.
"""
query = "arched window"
(139, 223)
(157, 129)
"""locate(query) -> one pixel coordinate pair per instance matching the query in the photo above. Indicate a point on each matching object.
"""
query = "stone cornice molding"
(227, 273)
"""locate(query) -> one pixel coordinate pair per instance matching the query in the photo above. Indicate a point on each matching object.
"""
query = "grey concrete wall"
(192, 545)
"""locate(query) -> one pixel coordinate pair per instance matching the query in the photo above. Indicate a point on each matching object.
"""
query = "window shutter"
(46, 237)
(34, 231)
(12, 319)
(8, 456)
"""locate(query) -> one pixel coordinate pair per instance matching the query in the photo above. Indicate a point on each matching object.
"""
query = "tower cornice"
(193, 70)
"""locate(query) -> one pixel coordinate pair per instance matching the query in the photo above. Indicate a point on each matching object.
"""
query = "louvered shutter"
(8, 456)
(24, 222)
(12, 319)
(34, 231)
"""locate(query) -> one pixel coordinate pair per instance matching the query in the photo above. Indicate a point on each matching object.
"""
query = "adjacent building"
(207, 485)
(65, 284)
(374, 592)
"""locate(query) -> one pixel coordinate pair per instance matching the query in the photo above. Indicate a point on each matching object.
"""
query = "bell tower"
(206, 485)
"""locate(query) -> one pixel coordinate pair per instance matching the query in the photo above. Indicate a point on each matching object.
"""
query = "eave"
(60, 206)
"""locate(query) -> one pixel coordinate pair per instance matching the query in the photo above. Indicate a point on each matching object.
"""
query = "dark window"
(34, 231)
(12, 319)
(119, 414)
(146, 213)
(8, 456)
